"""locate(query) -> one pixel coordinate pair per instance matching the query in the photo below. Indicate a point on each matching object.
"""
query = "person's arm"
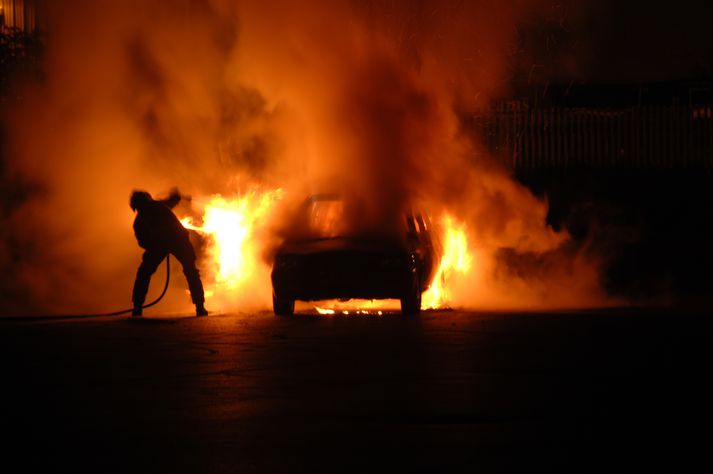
(173, 199)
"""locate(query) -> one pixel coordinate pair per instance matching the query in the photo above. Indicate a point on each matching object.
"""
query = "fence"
(20, 15)
(647, 137)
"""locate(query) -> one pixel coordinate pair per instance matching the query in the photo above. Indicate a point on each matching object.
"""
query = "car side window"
(411, 225)
(421, 223)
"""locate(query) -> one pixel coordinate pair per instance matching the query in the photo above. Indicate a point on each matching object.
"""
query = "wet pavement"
(591, 391)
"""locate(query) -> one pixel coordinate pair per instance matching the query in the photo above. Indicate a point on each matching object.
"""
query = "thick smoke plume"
(216, 96)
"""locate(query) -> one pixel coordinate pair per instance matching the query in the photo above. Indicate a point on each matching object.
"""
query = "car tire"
(283, 306)
(411, 302)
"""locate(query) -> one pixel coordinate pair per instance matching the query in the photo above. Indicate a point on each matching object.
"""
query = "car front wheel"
(411, 301)
(282, 306)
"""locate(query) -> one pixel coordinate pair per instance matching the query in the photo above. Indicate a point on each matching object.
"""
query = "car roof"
(325, 197)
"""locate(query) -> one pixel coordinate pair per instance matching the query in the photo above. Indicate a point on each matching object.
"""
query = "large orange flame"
(457, 259)
(230, 225)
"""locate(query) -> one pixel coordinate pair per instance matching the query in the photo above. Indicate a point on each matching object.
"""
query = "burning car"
(327, 257)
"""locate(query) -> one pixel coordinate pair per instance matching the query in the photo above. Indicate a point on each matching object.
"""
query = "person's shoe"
(201, 311)
(137, 312)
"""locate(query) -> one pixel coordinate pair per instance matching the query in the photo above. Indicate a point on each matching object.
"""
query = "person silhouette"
(159, 232)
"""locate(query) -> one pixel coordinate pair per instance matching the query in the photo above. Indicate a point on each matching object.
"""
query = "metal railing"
(647, 137)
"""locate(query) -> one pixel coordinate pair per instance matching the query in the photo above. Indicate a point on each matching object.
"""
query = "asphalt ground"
(616, 390)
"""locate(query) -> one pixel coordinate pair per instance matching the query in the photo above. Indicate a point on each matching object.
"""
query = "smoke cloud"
(216, 96)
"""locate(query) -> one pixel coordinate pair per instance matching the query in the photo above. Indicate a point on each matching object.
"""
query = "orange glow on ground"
(346, 312)
(357, 306)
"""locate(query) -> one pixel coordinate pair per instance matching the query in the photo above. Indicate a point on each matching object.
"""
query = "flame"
(330, 311)
(230, 225)
(457, 259)
(233, 249)
(356, 306)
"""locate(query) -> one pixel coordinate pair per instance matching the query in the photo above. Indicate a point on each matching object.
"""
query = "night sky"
(638, 40)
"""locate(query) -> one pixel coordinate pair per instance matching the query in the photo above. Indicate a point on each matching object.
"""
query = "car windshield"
(327, 218)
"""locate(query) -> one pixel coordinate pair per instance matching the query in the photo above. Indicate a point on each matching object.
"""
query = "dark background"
(638, 40)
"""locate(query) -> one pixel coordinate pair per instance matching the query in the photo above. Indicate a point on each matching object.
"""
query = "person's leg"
(149, 263)
(185, 254)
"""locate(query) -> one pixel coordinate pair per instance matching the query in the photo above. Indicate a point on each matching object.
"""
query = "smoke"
(215, 95)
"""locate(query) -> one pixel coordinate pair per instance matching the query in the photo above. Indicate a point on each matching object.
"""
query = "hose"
(160, 297)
